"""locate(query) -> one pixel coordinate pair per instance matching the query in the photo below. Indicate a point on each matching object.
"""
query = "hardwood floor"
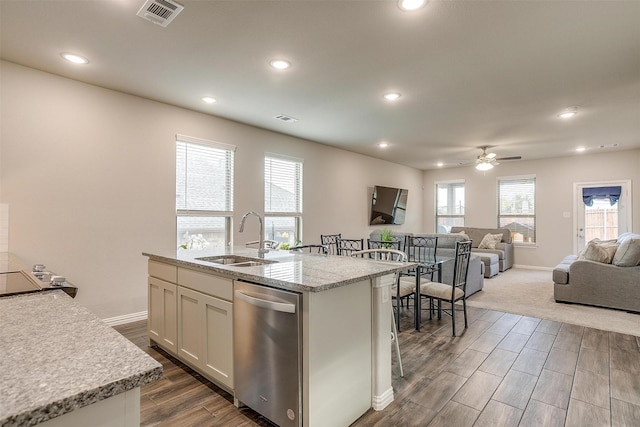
(505, 370)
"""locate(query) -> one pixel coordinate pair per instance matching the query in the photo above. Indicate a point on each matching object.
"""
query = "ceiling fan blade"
(509, 158)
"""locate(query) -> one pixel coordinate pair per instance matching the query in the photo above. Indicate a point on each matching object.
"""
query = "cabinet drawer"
(166, 272)
(206, 283)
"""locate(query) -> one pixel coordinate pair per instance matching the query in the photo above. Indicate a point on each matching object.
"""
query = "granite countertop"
(56, 356)
(293, 271)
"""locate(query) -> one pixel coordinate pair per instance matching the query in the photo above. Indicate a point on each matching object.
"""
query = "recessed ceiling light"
(208, 100)
(76, 59)
(280, 64)
(410, 5)
(580, 149)
(568, 112)
(392, 96)
(440, 164)
(383, 144)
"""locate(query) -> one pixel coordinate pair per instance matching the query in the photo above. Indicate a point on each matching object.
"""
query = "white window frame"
(297, 213)
(532, 178)
(448, 183)
(227, 213)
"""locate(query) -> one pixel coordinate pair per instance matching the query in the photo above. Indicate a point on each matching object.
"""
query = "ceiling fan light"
(484, 166)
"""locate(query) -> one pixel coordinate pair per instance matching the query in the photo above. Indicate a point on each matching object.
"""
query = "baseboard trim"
(126, 318)
(378, 403)
(532, 267)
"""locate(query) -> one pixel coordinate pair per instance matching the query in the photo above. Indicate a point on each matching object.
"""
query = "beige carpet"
(530, 293)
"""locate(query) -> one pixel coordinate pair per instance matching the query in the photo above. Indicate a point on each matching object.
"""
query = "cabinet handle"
(263, 303)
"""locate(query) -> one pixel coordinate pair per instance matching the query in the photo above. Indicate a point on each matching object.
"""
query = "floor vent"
(286, 118)
(160, 12)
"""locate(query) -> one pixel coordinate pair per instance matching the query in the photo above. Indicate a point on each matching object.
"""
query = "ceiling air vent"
(285, 118)
(160, 12)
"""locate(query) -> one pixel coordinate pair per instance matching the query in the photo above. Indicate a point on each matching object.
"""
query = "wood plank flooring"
(505, 370)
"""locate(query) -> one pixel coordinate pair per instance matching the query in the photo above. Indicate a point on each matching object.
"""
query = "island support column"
(382, 390)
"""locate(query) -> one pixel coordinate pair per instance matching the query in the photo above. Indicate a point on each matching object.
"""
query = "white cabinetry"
(205, 334)
(191, 316)
(162, 311)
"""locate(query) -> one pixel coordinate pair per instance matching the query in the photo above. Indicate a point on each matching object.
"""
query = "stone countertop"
(293, 271)
(56, 356)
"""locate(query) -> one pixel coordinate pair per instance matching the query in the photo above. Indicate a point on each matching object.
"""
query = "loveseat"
(446, 248)
(503, 248)
(603, 281)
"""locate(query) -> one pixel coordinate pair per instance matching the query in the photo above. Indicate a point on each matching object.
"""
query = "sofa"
(446, 248)
(503, 248)
(594, 277)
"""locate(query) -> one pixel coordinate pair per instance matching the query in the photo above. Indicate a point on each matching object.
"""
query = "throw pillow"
(489, 241)
(628, 253)
(600, 251)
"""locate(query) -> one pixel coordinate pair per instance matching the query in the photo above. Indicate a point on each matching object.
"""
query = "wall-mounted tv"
(388, 205)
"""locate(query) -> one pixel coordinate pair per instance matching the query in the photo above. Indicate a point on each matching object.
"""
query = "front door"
(599, 214)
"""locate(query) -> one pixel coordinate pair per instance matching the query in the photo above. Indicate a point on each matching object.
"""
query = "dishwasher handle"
(263, 303)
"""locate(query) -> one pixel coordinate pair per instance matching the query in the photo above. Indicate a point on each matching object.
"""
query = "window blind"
(517, 207)
(204, 176)
(449, 205)
(282, 185)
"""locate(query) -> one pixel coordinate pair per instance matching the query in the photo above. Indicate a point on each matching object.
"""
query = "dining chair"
(422, 250)
(442, 292)
(331, 240)
(317, 249)
(347, 246)
(380, 244)
(388, 255)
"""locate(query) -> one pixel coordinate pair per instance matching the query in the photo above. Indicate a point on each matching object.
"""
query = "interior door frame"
(626, 196)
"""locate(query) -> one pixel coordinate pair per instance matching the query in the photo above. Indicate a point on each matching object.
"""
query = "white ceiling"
(471, 73)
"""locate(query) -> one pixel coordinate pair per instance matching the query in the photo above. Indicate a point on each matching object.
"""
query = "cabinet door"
(162, 320)
(190, 326)
(218, 339)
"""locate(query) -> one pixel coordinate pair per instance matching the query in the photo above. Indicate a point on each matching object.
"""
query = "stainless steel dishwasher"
(268, 353)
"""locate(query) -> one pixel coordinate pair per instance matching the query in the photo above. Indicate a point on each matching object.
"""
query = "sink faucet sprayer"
(261, 248)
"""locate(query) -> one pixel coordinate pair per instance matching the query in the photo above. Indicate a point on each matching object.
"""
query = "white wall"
(89, 177)
(555, 180)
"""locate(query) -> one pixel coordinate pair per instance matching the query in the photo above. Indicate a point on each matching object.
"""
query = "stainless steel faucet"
(261, 249)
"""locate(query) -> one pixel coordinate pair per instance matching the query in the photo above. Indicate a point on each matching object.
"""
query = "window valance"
(611, 193)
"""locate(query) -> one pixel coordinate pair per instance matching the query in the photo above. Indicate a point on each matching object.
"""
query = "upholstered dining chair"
(347, 246)
(331, 240)
(437, 293)
(388, 255)
(317, 249)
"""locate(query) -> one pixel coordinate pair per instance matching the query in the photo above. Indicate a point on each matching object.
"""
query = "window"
(449, 206)
(283, 199)
(517, 207)
(204, 192)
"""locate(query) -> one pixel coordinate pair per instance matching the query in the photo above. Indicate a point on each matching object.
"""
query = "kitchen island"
(60, 365)
(346, 321)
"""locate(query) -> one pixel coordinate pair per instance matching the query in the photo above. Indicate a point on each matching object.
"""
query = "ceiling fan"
(487, 161)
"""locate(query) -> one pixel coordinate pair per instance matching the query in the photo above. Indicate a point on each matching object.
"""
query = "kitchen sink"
(236, 261)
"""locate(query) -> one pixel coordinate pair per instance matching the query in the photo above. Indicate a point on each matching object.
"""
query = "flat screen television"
(388, 205)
